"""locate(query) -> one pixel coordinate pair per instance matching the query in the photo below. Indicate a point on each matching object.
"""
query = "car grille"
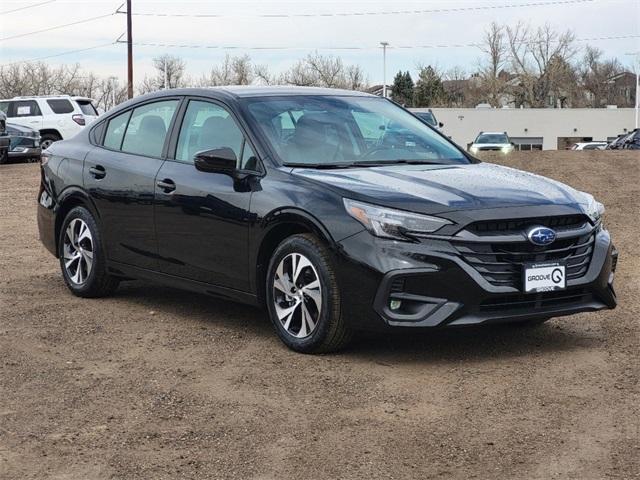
(502, 263)
(537, 301)
(518, 225)
(485, 149)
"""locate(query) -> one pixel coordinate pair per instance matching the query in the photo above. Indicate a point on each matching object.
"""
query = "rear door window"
(115, 131)
(24, 108)
(147, 128)
(60, 106)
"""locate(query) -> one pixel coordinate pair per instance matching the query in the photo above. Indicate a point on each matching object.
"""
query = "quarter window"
(60, 106)
(207, 126)
(147, 128)
(115, 131)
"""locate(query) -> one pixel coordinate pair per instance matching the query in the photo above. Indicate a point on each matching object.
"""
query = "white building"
(536, 128)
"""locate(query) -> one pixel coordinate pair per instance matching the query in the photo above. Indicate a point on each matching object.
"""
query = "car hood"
(440, 188)
(491, 145)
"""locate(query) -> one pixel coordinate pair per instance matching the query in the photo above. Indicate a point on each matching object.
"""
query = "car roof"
(242, 91)
(492, 133)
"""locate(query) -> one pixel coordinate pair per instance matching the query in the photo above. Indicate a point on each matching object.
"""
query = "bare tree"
(596, 74)
(493, 80)
(169, 74)
(232, 71)
(540, 58)
(325, 71)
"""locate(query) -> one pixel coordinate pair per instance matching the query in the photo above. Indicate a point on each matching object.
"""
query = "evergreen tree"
(402, 89)
(429, 90)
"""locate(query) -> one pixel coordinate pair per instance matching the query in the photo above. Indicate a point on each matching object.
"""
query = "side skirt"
(130, 272)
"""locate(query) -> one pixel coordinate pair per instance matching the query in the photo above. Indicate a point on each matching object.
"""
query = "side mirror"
(440, 124)
(220, 160)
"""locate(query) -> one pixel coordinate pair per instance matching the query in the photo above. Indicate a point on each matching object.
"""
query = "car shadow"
(451, 344)
(473, 343)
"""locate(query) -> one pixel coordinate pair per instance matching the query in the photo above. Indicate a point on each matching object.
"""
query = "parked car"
(632, 141)
(589, 146)
(24, 143)
(55, 117)
(4, 139)
(429, 118)
(287, 197)
(492, 141)
(618, 142)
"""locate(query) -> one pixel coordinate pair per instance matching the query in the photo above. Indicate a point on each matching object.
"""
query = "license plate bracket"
(544, 277)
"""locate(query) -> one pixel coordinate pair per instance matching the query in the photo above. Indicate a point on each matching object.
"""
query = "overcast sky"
(242, 24)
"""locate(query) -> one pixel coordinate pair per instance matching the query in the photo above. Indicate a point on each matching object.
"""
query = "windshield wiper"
(319, 165)
(364, 163)
(381, 163)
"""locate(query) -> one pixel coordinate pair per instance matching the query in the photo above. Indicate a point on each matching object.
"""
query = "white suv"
(56, 117)
(498, 141)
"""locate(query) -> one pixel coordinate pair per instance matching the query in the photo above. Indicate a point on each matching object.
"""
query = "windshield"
(345, 130)
(492, 138)
(427, 117)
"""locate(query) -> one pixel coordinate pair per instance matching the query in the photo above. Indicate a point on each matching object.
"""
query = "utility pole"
(129, 53)
(384, 68)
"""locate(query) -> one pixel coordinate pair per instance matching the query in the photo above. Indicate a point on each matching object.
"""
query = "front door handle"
(97, 172)
(167, 185)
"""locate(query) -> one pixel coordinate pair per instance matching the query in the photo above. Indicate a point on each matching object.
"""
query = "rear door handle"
(167, 185)
(97, 172)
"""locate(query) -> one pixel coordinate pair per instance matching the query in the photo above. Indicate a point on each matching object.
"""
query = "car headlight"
(595, 210)
(391, 223)
(507, 148)
(474, 149)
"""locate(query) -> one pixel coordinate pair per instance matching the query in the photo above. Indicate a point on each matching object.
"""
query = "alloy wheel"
(297, 295)
(78, 251)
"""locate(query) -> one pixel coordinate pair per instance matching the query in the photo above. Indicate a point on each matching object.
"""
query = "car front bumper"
(26, 152)
(436, 287)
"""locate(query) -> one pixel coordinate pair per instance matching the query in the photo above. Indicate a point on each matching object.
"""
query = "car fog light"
(395, 304)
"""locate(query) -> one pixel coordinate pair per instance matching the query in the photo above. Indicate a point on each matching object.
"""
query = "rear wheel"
(303, 297)
(47, 139)
(82, 258)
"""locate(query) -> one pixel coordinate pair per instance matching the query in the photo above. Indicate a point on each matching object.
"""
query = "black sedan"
(337, 210)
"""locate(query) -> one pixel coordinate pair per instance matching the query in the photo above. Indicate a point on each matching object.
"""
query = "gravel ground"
(157, 383)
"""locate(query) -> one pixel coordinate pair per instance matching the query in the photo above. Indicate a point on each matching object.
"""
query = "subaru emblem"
(541, 236)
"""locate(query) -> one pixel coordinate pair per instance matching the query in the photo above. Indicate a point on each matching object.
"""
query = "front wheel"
(82, 258)
(303, 297)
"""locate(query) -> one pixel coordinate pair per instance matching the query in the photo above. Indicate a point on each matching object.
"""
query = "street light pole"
(384, 68)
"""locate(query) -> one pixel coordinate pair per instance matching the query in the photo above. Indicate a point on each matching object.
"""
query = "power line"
(369, 13)
(354, 47)
(28, 6)
(69, 52)
(78, 22)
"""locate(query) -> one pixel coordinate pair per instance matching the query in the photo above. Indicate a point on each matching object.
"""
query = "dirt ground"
(157, 383)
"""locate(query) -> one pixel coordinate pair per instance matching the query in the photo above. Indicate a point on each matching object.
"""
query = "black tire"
(47, 139)
(4, 156)
(98, 283)
(331, 332)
